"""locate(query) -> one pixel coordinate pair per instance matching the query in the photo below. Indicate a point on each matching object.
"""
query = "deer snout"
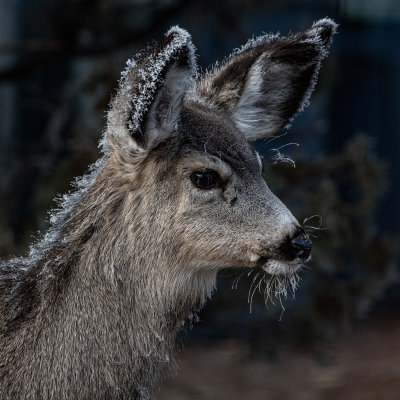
(300, 246)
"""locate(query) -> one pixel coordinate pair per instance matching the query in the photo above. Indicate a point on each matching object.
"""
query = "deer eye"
(206, 179)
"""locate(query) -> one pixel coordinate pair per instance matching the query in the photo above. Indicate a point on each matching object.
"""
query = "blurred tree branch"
(41, 52)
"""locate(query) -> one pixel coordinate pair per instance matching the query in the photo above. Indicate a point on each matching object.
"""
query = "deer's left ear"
(266, 83)
(147, 105)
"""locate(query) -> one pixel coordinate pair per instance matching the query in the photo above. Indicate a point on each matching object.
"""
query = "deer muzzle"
(298, 247)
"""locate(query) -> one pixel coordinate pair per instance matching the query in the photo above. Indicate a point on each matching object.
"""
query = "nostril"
(298, 242)
(302, 245)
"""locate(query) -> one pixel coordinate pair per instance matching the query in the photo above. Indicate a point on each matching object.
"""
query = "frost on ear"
(147, 105)
(268, 81)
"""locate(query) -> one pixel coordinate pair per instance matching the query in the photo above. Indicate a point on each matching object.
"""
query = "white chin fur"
(276, 267)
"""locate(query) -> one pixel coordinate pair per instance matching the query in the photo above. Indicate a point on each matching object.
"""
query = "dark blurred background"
(340, 338)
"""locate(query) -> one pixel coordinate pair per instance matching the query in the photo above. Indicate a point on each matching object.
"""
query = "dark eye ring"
(206, 179)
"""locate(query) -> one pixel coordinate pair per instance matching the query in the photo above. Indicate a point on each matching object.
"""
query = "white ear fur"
(147, 105)
(254, 120)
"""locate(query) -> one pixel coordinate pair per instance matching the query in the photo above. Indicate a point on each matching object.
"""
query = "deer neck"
(133, 316)
(110, 250)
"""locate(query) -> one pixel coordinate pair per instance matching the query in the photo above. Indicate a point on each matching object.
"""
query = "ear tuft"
(167, 68)
(323, 30)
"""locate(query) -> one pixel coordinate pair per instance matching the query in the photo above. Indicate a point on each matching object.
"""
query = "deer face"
(195, 135)
(227, 214)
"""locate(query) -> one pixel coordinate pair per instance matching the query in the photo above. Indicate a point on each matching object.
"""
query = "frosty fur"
(94, 309)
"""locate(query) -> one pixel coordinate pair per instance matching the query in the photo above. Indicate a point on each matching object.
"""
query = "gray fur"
(268, 81)
(94, 310)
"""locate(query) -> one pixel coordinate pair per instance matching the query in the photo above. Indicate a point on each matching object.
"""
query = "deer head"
(185, 141)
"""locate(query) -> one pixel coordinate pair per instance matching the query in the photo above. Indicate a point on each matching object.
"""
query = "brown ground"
(365, 365)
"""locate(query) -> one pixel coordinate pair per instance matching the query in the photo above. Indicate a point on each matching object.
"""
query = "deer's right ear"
(148, 103)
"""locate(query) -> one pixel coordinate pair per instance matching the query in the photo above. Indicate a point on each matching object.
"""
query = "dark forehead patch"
(214, 133)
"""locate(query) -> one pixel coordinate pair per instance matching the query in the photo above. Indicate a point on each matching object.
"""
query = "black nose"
(301, 246)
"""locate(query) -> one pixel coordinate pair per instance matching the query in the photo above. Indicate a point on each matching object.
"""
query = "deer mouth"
(279, 267)
(274, 266)
(277, 279)
(286, 259)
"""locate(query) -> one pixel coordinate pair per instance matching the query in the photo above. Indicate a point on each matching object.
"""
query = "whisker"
(285, 145)
(313, 216)
(274, 137)
(254, 290)
(236, 280)
(317, 228)
(310, 234)
(251, 286)
(278, 287)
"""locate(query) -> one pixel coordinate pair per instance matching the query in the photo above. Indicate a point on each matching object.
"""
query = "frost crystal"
(143, 76)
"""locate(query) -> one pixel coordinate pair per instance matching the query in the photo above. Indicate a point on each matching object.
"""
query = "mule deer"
(93, 311)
